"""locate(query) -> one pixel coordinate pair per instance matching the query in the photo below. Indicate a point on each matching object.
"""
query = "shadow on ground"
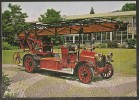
(65, 75)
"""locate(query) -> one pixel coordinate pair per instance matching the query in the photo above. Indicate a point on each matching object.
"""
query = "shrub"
(5, 83)
(112, 44)
(7, 46)
(103, 45)
(131, 43)
(123, 45)
(100, 45)
(8, 94)
(82, 46)
(56, 47)
(97, 44)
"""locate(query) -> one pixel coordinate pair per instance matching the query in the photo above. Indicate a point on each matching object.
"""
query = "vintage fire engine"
(85, 64)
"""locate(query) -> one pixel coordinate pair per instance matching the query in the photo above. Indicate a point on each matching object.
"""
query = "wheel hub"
(30, 63)
(85, 74)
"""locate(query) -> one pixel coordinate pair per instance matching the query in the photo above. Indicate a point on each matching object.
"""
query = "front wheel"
(30, 64)
(108, 73)
(85, 74)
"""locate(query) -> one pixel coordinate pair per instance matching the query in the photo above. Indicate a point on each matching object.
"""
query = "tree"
(13, 21)
(129, 7)
(92, 11)
(51, 16)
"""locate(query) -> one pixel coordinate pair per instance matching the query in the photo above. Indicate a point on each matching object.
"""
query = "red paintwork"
(50, 63)
(35, 46)
(87, 55)
(68, 59)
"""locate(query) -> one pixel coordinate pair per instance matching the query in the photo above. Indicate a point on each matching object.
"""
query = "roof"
(104, 15)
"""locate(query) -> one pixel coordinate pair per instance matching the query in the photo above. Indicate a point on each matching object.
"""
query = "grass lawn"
(124, 59)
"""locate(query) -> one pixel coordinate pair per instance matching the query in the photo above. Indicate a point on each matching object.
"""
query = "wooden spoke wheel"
(85, 74)
(108, 73)
(30, 64)
(16, 58)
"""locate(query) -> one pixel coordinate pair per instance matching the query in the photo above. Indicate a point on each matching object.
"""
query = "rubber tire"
(30, 64)
(82, 73)
(111, 74)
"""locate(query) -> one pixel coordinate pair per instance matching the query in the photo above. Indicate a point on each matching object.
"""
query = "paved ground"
(50, 84)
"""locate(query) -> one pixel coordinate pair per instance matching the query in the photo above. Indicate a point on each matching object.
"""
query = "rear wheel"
(85, 74)
(108, 73)
(30, 64)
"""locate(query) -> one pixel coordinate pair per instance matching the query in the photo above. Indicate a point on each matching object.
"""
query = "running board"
(64, 70)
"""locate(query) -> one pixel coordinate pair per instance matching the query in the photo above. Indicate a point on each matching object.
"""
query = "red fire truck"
(85, 64)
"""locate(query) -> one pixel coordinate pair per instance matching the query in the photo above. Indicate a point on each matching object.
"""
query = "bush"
(131, 43)
(100, 45)
(103, 45)
(5, 83)
(97, 44)
(8, 94)
(7, 46)
(123, 45)
(112, 44)
(56, 47)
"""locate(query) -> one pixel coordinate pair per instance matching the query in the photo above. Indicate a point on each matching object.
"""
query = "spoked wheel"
(109, 73)
(85, 74)
(30, 64)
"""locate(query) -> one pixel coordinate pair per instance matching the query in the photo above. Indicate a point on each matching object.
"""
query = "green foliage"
(103, 45)
(129, 7)
(51, 16)
(9, 95)
(56, 47)
(112, 44)
(58, 39)
(7, 46)
(5, 83)
(13, 21)
(100, 45)
(97, 44)
(123, 45)
(131, 43)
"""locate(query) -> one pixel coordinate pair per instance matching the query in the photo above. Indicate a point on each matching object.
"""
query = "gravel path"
(49, 84)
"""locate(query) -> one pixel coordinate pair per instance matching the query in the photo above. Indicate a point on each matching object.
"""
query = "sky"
(35, 9)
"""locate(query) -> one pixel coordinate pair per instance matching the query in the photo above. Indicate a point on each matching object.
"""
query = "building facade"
(102, 37)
